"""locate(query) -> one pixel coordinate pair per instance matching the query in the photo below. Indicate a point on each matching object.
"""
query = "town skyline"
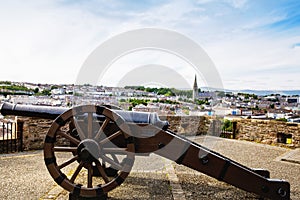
(287, 92)
(164, 101)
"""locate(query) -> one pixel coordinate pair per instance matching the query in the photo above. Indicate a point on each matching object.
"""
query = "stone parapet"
(262, 131)
(188, 125)
(269, 132)
(34, 132)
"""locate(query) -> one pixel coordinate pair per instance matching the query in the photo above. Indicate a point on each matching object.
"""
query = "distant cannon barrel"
(45, 112)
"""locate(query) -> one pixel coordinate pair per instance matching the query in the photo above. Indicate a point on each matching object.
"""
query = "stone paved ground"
(292, 156)
(256, 155)
(24, 176)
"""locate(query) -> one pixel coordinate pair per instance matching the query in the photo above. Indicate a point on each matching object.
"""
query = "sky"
(254, 44)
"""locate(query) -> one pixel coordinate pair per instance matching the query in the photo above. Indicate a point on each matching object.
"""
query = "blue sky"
(254, 44)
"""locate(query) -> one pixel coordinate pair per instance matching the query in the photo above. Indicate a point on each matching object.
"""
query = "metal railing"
(11, 136)
(229, 134)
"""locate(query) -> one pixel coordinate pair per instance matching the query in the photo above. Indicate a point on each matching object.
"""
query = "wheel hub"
(88, 150)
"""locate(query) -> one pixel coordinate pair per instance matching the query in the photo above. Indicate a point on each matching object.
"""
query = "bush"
(227, 125)
(282, 120)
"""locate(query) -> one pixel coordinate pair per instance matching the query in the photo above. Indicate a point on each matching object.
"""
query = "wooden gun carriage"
(105, 140)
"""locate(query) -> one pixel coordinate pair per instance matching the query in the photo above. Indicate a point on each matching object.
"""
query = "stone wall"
(35, 129)
(188, 125)
(265, 131)
(34, 132)
(261, 131)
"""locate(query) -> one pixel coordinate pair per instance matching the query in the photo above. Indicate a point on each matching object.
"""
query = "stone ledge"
(292, 156)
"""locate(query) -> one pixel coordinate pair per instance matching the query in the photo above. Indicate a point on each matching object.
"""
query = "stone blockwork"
(266, 131)
(262, 131)
(188, 125)
(34, 132)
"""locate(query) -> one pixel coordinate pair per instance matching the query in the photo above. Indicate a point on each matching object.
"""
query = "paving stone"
(24, 176)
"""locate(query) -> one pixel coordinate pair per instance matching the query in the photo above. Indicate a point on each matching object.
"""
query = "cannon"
(104, 140)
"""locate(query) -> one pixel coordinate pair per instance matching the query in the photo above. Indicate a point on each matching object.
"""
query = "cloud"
(237, 3)
(47, 41)
(296, 45)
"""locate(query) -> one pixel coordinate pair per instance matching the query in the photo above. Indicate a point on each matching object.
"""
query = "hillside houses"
(207, 102)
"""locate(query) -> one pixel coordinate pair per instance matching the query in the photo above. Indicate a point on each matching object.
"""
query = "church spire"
(195, 83)
(195, 89)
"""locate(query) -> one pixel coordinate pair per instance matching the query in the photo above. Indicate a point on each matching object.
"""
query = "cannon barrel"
(51, 112)
(46, 112)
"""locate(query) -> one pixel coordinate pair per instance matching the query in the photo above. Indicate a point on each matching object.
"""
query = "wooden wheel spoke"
(113, 163)
(90, 177)
(65, 149)
(102, 172)
(79, 131)
(101, 129)
(113, 151)
(90, 125)
(68, 162)
(78, 169)
(114, 157)
(72, 123)
(111, 137)
(69, 137)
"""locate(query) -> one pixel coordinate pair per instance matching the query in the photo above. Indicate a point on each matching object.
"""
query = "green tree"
(54, 87)
(46, 92)
(36, 90)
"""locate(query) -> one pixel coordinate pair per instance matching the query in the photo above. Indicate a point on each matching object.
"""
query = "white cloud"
(252, 58)
(237, 3)
(47, 41)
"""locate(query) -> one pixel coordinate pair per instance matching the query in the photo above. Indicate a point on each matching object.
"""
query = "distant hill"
(268, 92)
(258, 92)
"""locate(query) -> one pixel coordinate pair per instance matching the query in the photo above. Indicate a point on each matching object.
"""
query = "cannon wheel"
(90, 151)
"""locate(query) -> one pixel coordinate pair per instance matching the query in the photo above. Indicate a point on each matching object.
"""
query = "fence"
(229, 134)
(11, 136)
